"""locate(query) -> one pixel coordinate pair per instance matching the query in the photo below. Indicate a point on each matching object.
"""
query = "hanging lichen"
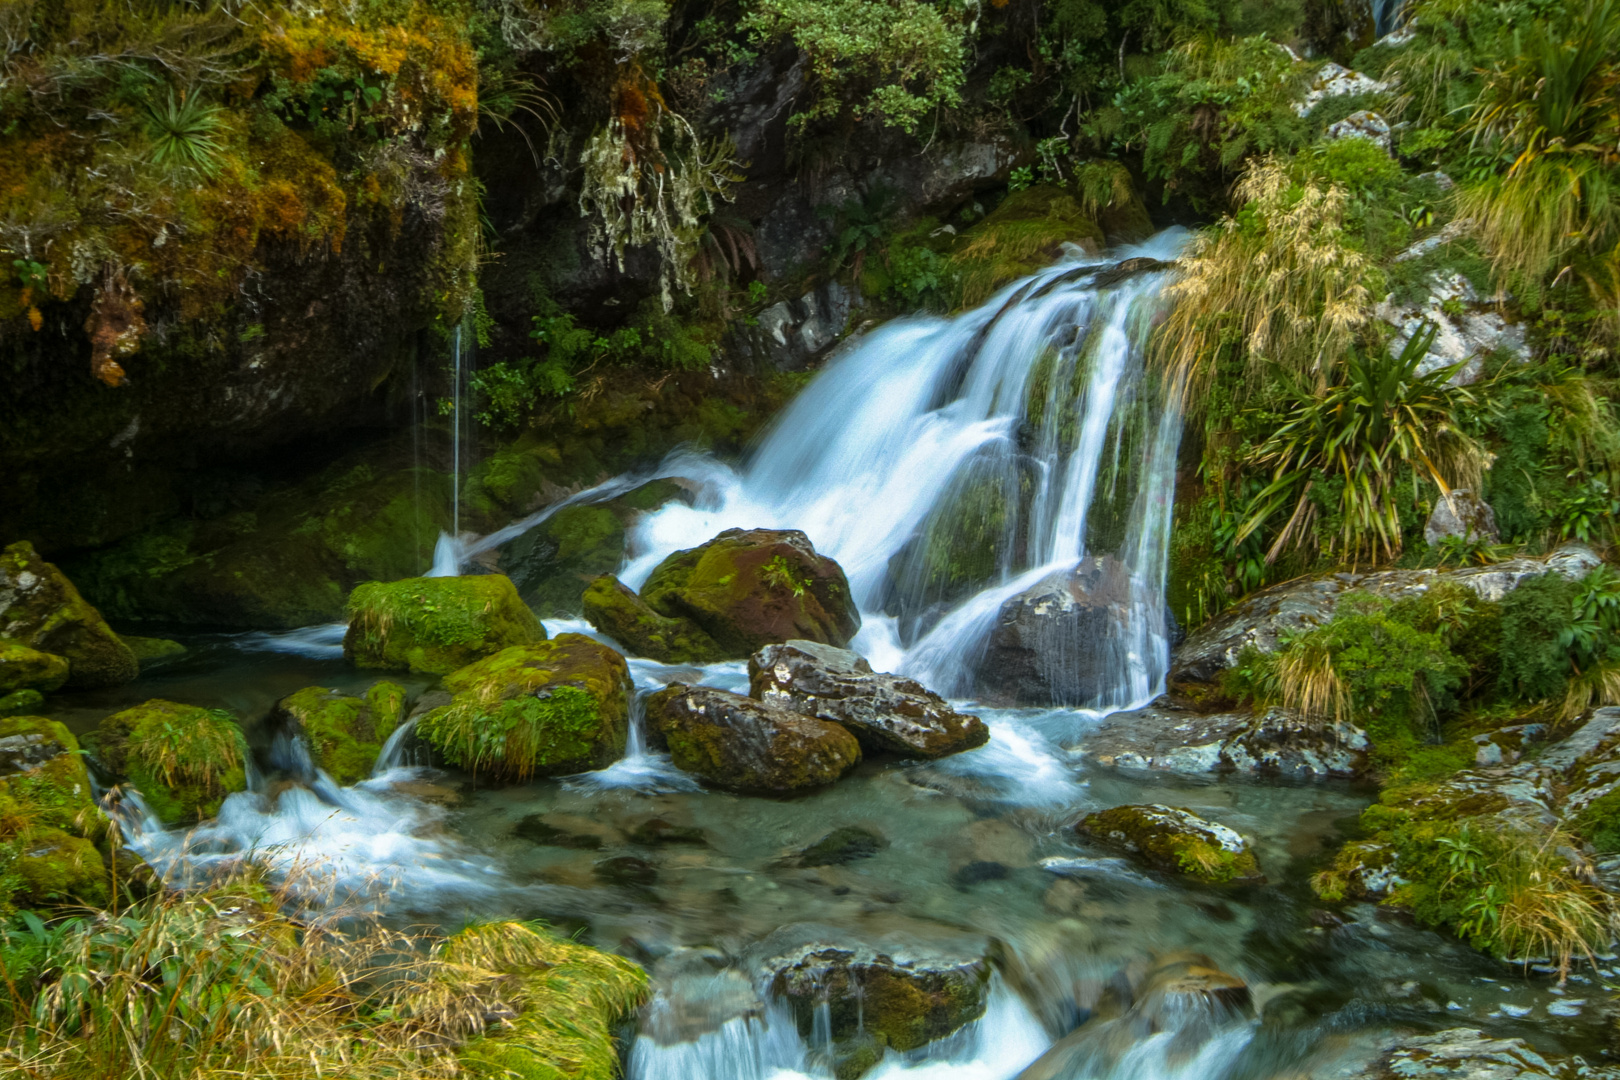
(649, 180)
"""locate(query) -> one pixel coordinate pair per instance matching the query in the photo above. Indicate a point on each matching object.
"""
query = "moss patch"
(623, 616)
(152, 650)
(344, 733)
(40, 608)
(50, 825)
(547, 709)
(22, 668)
(1024, 234)
(436, 625)
(183, 759)
(1175, 840)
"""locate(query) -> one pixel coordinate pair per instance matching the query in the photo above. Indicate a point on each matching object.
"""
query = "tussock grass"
(200, 748)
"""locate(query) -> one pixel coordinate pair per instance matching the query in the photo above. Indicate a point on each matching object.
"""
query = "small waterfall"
(455, 435)
(393, 754)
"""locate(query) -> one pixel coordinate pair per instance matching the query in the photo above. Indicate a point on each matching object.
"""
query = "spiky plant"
(183, 131)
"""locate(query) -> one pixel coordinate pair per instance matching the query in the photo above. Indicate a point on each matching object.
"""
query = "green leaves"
(182, 132)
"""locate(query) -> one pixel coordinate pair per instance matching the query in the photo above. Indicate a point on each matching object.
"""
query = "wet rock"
(547, 709)
(1055, 642)
(49, 813)
(1175, 840)
(21, 703)
(904, 1002)
(748, 588)
(980, 871)
(1468, 328)
(183, 759)
(552, 563)
(790, 335)
(1261, 618)
(1506, 745)
(1461, 514)
(1362, 124)
(614, 610)
(845, 845)
(436, 625)
(151, 651)
(1468, 1054)
(626, 870)
(1277, 742)
(746, 745)
(40, 609)
(535, 827)
(696, 993)
(344, 733)
(657, 832)
(22, 668)
(886, 713)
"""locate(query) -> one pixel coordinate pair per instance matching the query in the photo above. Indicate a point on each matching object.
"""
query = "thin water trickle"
(455, 435)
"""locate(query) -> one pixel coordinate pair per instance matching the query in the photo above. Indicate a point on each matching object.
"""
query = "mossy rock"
(547, 709)
(625, 617)
(748, 588)
(436, 625)
(40, 608)
(1026, 233)
(344, 733)
(552, 562)
(746, 745)
(183, 759)
(21, 703)
(50, 825)
(56, 867)
(153, 650)
(1175, 840)
(22, 668)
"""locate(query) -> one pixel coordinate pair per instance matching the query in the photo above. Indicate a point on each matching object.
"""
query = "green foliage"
(892, 60)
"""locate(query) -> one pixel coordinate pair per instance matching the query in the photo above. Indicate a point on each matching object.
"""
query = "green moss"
(150, 650)
(1599, 823)
(21, 702)
(344, 734)
(1024, 234)
(1535, 616)
(614, 610)
(22, 668)
(42, 610)
(183, 759)
(1177, 840)
(436, 625)
(56, 867)
(50, 825)
(556, 707)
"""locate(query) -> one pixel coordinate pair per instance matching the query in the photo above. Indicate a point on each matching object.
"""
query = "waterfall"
(951, 464)
(455, 435)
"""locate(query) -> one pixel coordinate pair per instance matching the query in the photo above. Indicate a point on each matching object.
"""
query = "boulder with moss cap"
(22, 668)
(48, 817)
(436, 625)
(40, 608)
(547, 709)
(183, 759)
(344, 733)
(1175, 840)
(746, 745)
(614, 610)
(748, 588)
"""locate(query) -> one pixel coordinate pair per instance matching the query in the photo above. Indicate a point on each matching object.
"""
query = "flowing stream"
(948, 465)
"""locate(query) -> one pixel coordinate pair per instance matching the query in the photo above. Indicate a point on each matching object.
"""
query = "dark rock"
(40, 609)
(746, 745)
(976, 873)
(535, 827)
(887, 713)
(841, 846)
(791, 335)
(1128, 268)
(656, 832)
(626, 870)
(1174, 840)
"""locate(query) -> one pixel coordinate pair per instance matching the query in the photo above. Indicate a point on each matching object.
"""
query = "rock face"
(746, 745)
(344, 733)
(184, 760)
(789, 335)
(40, 608)
(1054, 643)
(22, 668)
(1174, 840)
(436, 625)
(44, 786)
(1468, 327)
(616, 611)
(1335, 80)
(1276, 743)
(1362, 124)
(1462, 514)
(904, 1003)
(547, 709)
(1261, 618)
(887, 713)
(748, 588)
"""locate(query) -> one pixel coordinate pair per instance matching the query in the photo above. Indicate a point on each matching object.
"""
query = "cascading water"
(455, 433)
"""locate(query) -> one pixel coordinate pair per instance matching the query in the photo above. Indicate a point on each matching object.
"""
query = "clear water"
(1044, 392)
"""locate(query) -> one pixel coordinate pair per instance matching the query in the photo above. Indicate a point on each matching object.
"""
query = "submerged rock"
(183, 759)
(546, 709)
(1175, 840)
(904, 1002)
(22, 668)
(748, 588)
(619, 613)
(1276, 742)
(746, 745)
(21, 702)
(40, 608)
(887, 713)
(1263, 617)
(344, 733)
(436, 625)
(845, 845)
(1056, 642)
(153, 650)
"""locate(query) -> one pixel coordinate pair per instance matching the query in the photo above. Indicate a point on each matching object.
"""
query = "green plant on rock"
(182, 131)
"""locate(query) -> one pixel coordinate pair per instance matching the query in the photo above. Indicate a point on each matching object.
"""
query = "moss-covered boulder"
(746, 745)
(436, 625)
(40, 608)
(614, 610)
(21, 703)
(1174, 840)
(153, 650)
(183, 759)
(344, 733)
(1026, 233)
(748, 588)
(22, 668)
(547, 709)
(50, 825)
